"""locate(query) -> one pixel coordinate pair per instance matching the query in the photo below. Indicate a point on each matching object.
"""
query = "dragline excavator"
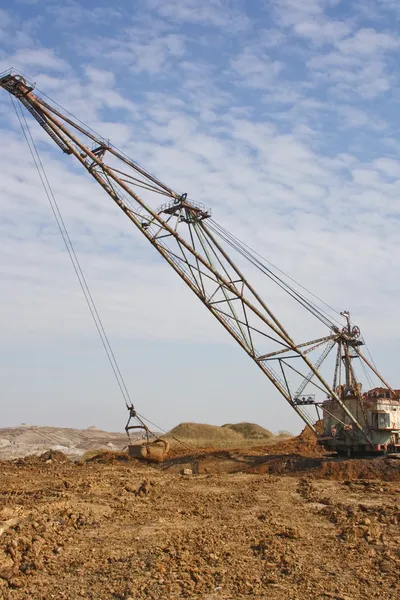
(319, 378)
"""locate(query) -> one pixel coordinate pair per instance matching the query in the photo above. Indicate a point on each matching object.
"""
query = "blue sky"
(279, 115)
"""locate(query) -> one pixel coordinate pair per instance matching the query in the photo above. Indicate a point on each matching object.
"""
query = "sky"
(279, 115)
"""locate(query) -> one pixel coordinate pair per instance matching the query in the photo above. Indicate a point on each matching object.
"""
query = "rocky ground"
(113, 528)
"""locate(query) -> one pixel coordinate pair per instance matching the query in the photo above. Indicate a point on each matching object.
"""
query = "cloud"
(41, 58)
(72, 14)
(215, 13)
(291, 12)
(275, 128)
(352, 117)
(322, 32)
(151, 55)
(367, 42)
(359, 64)
(136, 50)
(390, 5)
(5, 19)
(308, 20)
(388, 166)
(256, 68)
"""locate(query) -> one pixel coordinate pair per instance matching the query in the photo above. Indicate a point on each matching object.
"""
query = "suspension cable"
(308, 305)
(71, 252)
(135, 164)
(367, 375)
(256, 254)
(78, 271)
(369, 353)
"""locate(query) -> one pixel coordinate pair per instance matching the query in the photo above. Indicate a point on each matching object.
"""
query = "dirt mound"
(378, 468)
(53, 456)
(104, 457)
(304, 444)
(189, 436)
(213, 437)
(250, 430)
(203, 431)
(335, 469)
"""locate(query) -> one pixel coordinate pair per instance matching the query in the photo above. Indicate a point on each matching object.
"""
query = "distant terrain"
(26, 440)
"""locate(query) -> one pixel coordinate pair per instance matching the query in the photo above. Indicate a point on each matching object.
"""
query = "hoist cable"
(78, 270)
(72, 255)
(282, 284)
(256, 256)
(367, 375)
(101, 139)
(278, 281)
(369, 353)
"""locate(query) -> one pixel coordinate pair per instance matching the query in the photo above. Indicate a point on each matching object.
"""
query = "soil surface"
(282, 526)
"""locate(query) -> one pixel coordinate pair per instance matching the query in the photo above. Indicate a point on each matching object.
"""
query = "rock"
(386, 566)
(6, 561)
(16, 583)
(6, 574)
(144, 488)
(292, 533)
(187, 472)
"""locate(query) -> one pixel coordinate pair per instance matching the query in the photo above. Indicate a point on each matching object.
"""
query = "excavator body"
(377, 411)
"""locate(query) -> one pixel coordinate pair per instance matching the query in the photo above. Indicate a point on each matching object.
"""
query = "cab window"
(381, 420)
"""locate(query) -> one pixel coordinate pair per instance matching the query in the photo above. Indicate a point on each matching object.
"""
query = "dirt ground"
(258, 525)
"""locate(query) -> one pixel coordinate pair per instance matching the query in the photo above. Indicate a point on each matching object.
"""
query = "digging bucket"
(154, 451)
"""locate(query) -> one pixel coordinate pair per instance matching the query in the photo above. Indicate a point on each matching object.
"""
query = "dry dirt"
(287, 526)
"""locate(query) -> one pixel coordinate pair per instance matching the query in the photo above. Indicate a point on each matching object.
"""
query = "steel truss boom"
(319, 362)
(178, 230)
